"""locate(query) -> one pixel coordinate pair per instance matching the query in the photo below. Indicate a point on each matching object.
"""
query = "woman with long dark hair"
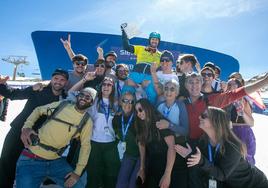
(103, 164)
(221, 156)
(159, 144)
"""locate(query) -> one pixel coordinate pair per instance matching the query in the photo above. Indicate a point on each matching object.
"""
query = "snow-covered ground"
(260, 130)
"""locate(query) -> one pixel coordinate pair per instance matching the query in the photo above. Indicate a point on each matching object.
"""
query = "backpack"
(53, 115)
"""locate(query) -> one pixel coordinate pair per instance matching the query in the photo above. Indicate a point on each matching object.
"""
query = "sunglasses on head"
(207, 74)
(87, 97)
(204, 115)
(127, 101)
(107, 84)
(99, 65)
(80, 63)
(172, 89)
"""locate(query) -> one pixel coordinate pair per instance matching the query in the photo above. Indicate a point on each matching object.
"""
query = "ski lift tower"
(16, 61)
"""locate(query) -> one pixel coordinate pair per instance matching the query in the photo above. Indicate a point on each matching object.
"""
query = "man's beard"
(84, 106)
(122, 78)
(109, 64)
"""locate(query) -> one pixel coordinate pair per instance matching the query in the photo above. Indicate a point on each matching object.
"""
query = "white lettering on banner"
(124, 52)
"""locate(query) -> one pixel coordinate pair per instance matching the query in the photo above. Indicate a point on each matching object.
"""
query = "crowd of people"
(147, 127)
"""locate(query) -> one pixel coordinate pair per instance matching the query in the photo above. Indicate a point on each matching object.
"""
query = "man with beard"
(145, 56)
(41, 157)
(110, 61)
(121, 72)
(12, 145)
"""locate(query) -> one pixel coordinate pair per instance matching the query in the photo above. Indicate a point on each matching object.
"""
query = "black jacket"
(35, 99)
(231, 169)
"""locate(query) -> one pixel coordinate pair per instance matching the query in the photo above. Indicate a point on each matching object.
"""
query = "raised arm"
(79, 85)
(15, 94)
(126, 45)
(67, 46)
(250, 88)
(157, 85)
(100, 53)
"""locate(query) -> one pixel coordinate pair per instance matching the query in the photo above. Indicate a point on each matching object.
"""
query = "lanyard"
(211, 159)
(119, 89)
(125, 126)
(106, 110)
(167, 110)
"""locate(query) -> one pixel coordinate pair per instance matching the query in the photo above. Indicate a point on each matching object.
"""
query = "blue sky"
(236, 27)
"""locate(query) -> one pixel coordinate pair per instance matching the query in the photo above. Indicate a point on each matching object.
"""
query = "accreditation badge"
(121, 147)
(107, 131)
(212, 183)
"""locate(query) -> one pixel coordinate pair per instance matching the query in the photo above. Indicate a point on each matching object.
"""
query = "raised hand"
(66, 43)
(153, 68)
(89, 76)
(100, 53)
(99, 50)
(123, 26)
(38, 87)
(3, 80)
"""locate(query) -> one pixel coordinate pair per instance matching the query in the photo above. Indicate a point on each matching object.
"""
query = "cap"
(210, 64)
(112, 53)
(91, 91)
(166, 55)
(80, 57)
(61, 72)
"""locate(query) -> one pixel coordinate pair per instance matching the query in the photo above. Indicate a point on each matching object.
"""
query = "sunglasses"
(139, 110)
(179, 62)
(107, 84)
(165, 60)
(84, 96)
(207, 74)
(99, 65)
(80, 63)
(127, 101)
(172, 89)
(204, 115)
(122, 71)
